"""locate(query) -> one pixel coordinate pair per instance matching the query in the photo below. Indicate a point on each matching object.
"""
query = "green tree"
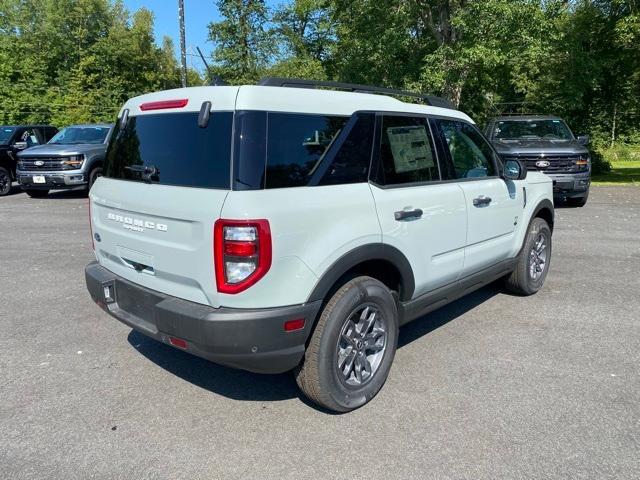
(68, 61)
(243, 44)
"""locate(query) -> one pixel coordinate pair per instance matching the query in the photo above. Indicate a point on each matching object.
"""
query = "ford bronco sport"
(546, 144)
(274, 228)
(71, 160)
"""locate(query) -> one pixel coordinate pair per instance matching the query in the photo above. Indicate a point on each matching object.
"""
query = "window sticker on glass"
(410, 148)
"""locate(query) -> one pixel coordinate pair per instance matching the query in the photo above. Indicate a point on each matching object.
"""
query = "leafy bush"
(599, 163)
(621, 152)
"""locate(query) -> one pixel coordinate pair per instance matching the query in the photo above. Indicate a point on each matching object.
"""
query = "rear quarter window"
(296, 144)
(170, 149)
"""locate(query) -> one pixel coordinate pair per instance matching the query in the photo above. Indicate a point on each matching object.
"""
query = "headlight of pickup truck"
(73, 162)
(583, 163)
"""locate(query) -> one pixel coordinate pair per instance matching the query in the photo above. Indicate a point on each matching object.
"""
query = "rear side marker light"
(293, 325)
(241, 252)
(161, 105)
(178, 342)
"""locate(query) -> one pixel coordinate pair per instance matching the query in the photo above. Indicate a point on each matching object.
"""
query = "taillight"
(242, 253)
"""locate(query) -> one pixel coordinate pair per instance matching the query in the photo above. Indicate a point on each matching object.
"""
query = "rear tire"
(352, 348)
(5, 182)
(37, 193)
(533, 261)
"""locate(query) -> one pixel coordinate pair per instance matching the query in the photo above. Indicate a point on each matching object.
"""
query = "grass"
(622, 173)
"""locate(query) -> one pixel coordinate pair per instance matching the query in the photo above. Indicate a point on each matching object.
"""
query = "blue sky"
(198, 14)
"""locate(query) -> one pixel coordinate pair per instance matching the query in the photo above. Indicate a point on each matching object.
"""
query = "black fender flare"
(368, 252)
(545, 204)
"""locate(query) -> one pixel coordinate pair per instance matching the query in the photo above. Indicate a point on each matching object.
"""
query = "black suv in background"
(546, 144)
(13, 139)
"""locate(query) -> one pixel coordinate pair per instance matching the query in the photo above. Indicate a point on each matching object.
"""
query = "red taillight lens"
(161, 105)
(242, 253)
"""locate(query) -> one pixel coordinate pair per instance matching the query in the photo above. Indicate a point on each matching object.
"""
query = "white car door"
(494, 206)
(423, 218)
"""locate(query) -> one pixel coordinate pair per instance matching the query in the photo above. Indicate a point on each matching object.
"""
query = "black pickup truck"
(13, 139)
(546, 144)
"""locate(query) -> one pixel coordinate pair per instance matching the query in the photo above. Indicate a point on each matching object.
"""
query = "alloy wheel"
(538, 257)
(361, 345)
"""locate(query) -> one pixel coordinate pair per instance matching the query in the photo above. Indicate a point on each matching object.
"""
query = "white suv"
(279, 226)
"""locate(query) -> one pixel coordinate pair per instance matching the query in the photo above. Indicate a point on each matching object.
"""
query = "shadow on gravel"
(65, 194)
(232, 383)
(247, 386)
(434, 320)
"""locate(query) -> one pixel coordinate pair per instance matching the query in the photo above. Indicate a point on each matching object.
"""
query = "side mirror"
(20, 145)
(514, 170)
(583, 139)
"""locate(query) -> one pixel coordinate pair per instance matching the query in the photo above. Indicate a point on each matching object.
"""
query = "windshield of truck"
(532, 130)
(5, 134)
(80, 135)
(171, 149)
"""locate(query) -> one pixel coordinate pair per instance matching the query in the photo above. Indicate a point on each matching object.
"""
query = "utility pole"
(183, 46)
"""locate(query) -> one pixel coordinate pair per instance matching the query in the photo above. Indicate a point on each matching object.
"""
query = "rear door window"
(170, 149)
(407, 154)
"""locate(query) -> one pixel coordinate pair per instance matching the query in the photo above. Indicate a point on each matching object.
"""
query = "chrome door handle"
(481, 201)
(406, 214)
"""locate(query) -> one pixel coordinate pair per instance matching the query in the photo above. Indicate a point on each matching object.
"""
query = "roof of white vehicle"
(282, 99)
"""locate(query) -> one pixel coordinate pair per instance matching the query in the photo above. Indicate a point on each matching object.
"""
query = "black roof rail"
(356, 88)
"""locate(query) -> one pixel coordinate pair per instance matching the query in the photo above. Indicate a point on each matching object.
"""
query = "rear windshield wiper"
(147, 172)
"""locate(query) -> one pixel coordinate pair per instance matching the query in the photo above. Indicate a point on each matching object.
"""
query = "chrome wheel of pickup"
(361, 345)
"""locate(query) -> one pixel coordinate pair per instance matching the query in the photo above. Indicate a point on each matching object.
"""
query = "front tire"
(579, 201)
(533, 261)
(352, 348)
(93, 176)
(5, 182)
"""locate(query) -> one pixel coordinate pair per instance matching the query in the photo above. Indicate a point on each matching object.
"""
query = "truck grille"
(52, 164)
(557, 163)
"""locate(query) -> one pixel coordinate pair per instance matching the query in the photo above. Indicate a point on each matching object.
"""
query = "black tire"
(5, 182)
(527, 278)
(578, 202)
(37, 193)
(320, 377)
(93, 176)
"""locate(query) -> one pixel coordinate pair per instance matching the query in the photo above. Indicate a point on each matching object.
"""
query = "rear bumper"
(252, 340)
(53, 180)
(571, 184)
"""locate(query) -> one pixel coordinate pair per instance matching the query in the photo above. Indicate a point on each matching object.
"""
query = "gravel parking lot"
(493, 386)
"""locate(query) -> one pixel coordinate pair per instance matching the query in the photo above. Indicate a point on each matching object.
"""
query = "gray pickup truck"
(546, 144)
(71, 160)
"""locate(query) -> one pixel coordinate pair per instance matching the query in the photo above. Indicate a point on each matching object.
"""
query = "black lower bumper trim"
(249, 339)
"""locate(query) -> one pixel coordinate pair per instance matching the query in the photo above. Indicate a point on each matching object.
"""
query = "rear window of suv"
(171, 149)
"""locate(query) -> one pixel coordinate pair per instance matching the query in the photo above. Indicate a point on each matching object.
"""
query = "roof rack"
(352, 87)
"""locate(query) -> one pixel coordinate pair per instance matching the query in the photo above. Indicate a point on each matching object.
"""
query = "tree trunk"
(613, 125)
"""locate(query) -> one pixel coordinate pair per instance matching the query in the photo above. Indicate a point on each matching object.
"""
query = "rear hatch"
(165, 181)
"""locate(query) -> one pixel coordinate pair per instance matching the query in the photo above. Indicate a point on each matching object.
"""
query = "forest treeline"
(64, 61)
